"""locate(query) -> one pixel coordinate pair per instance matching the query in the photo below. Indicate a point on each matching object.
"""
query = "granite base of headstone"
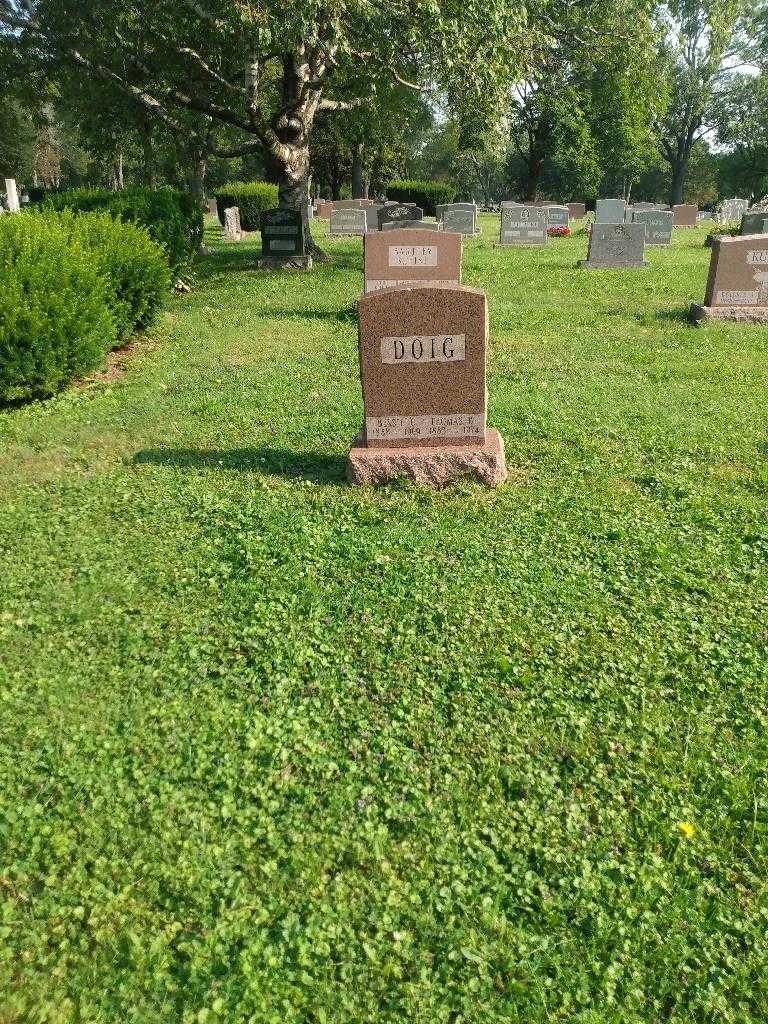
(283, 241)
(423, 375)
(737, 285)
(615, 246)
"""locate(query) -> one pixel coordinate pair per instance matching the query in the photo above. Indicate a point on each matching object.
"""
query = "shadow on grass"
(680, 314)
(327, 469)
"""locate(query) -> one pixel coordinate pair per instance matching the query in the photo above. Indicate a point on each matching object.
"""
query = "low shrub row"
(71, 288)
(425, 194)
(173, 219)
(251, 197)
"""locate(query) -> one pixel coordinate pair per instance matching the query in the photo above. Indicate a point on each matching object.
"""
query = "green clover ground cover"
(274, 749)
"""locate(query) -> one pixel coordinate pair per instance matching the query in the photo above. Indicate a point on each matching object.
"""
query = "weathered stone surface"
(411, 256)
(615, 245)
(212, 207)
(610, 211)
(433, 467)
(658, 225)
(685, 215)
(349, 221)
(557, 216)
(754, 223)
(522, 225)
(740, 314)
(232, 230)
(399, 211)
(577, 210)
(732, 210)
(458, 217)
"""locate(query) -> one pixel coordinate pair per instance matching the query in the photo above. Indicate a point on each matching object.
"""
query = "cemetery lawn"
(279, 750)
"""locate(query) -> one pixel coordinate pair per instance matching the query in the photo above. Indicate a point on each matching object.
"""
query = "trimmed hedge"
(425, 194)
(173, 219)
(55, 320)
(72, 287)
(135, 268)
(251, 197)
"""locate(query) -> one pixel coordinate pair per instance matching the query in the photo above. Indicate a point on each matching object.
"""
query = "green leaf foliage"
(55, 318)
(173, 219)
(425, 194)
(251, 197)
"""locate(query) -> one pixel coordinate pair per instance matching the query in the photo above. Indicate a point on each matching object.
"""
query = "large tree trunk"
(358, 172)
(533, 169)
(197, 184)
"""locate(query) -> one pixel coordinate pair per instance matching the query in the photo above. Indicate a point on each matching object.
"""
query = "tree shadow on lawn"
(326, 469)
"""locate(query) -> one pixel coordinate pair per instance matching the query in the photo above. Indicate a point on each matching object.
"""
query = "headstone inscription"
(523, 225)
(557, 216)
(755, 223)
(658, 225)
(737, 286)
(12, 195)
(685, 215)
(411, 257)
(232, 230)
(349, 221)
(610, 211)
(399, 211)
(577, 210)
(615, 245)
(283, 239)
(422, 370)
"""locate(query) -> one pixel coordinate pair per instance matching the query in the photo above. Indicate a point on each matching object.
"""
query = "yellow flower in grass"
(687, 829)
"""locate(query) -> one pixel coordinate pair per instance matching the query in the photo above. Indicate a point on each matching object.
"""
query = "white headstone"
(232, 230)
(13, 195)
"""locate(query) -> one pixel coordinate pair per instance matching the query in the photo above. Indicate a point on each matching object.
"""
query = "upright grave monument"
(615, 245)
(557, 216)
(658, 225)
(610, 211)
(685, 215)
(349, 221)
(12, 195)
(737, 286)
(283, 240)
(399, 211)
(211, 206)
(754, 223)
(422, 369)
(411, 257)
(458, 217)
(233, 232)
(731, 210)
(522, 225)
(577, 210)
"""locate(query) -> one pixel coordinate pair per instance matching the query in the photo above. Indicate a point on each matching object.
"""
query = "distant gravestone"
(347, 204)
(610, 211)
(324, 209)
(232, 229)
(411, 257)
(349, 221)
(557, 216)
(395, 225)
(399, 211)
(212, 206)
(423, 375)
(732, 209)
(577, 210)
(522, 225)
(737, 286)
(685, 215)
(658, 225)
(283, 240)
(755, 223)
(12, 195)
(615, 245)
(372, 217)
(459, 217)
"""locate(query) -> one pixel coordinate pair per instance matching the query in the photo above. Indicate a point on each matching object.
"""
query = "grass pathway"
(274, 749)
